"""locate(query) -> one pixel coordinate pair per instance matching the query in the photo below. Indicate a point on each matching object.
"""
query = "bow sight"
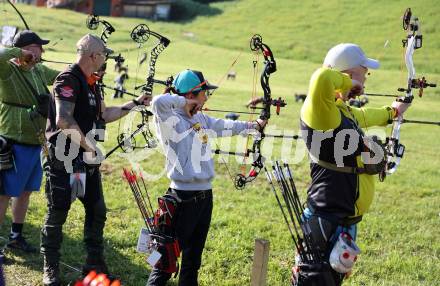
(118, 58)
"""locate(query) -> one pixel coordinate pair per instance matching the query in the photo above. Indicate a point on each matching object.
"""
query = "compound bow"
(241, 179)
(393, 148)
(140, 34)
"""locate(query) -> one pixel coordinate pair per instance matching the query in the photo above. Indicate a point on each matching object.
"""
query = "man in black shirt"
(72, 169)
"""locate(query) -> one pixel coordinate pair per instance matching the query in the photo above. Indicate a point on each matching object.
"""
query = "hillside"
(399, 237)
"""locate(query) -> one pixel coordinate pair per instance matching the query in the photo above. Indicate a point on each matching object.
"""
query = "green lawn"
(399, 238)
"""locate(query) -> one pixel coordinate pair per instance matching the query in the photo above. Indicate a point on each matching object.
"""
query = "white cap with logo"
(346, 56)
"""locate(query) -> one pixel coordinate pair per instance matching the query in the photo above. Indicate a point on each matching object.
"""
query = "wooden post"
(259, 267)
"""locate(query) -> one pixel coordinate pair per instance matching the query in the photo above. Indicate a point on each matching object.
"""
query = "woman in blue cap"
(184, 132)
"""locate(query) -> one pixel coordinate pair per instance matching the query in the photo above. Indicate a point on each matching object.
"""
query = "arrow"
(230, 111)
(420, 122)
(380, 94)
(123, 91)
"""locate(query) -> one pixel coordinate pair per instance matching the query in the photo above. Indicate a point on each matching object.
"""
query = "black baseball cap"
(27, 37)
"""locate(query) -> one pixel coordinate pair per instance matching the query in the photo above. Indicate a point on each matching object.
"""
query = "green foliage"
(211, 1)
(399, 236)
(185, 10)
(306, 30)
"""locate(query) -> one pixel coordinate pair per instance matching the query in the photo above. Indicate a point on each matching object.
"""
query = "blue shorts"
(27, 172)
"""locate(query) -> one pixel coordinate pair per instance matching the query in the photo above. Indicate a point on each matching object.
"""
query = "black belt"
(346, 221)
(191, 196)
(59, 165)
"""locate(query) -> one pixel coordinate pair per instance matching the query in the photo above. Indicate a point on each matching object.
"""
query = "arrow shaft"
(420, 122)
(242, 154)
(115, 89)
(55, 62)
(227, 111)
(296, 137)
(380, 94)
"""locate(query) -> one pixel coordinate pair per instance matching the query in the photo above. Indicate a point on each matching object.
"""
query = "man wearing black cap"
(72, 170)
(23, 87)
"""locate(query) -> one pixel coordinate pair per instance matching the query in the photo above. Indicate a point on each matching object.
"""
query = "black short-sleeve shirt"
(71, 85)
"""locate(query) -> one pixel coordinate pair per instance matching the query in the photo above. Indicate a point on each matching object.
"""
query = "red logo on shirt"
(66, 91)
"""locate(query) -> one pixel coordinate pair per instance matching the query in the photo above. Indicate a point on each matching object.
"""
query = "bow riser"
(270, 67)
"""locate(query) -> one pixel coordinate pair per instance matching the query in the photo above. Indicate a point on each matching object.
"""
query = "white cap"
(346, 56)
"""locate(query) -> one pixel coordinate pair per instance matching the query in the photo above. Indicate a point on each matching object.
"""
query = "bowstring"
(253, 97)
(137, 73)
(219, 82)
(229, 69)
(134, 90)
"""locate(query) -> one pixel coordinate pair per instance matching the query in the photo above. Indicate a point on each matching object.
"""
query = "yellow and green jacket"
(339, 194)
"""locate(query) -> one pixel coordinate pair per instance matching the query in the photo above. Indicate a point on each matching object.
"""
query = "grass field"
(399, 237)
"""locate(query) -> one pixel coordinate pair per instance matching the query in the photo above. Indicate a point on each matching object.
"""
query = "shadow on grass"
(185, 11)
(26, 269)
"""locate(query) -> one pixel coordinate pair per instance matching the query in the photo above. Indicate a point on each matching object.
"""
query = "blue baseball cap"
(189, 81)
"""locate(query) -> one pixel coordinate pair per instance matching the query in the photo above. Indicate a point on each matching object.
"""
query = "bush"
(210, 1)
(188, 9)
(205, 1)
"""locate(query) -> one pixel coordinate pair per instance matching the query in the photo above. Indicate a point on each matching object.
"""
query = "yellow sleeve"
(367, 117)
(319, 110)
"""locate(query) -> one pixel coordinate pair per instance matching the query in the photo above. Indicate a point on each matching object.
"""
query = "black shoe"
(20, 243)
(3, 259)
(97, 264)
(52, 284)
(51, 275)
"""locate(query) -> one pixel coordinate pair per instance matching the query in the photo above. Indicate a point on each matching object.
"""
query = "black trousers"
(192, 228)
(322, 232)
(58, 194)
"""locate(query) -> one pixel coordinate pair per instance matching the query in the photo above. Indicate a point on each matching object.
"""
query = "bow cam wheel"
(256, 42)
(240, 182)
(140, 34)
(92, 22)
